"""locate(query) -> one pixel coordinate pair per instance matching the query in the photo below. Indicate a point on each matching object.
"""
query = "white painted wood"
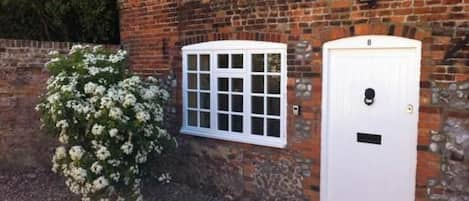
(360, 171)
(233, 45)
(247, 48)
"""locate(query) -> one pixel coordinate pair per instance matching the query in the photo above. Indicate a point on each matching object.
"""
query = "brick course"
(155, 31)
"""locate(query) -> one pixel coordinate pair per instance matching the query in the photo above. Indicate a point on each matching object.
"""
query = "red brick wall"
(154, 32)
(22, 78)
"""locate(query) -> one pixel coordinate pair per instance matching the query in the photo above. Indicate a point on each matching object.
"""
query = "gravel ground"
(43, 185)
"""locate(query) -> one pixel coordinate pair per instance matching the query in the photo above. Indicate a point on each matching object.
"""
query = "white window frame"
(247, 48)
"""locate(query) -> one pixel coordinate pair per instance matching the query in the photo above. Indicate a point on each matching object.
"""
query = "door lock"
(410, 108)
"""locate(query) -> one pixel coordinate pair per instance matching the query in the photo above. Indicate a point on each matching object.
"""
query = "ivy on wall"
(60, 20)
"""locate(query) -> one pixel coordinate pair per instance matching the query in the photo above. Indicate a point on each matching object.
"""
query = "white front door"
(370, 114)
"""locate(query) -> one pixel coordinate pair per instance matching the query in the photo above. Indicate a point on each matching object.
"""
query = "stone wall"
(155, 31)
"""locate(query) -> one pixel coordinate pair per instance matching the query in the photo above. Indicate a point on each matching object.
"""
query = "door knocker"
(369, 96)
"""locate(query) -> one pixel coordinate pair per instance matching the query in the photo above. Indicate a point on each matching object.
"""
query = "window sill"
(243, 138)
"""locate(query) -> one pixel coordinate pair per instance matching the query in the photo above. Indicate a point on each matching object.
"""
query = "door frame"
(362, 42)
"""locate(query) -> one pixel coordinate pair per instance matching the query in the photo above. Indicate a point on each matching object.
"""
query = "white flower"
(76, 152)
(53, 52)
(90, 87)
(113, 132)
(100, 183)
(142, 116)
(78, 174)
(96, 168)
(127, 147)
(62, 124)
(60, 153)
(140, 158)
(99, 90)
(115, 113)
(97, 129)
(129, 100)
(164, 178)
(102, 153)
(148, 94)
(115, 176)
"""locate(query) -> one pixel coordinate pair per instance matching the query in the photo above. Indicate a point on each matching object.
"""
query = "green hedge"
(94, 21)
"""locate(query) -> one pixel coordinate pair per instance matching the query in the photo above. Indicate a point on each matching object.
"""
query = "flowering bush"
(107, 122)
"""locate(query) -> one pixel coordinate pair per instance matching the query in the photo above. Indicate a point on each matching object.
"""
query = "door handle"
(369, 96)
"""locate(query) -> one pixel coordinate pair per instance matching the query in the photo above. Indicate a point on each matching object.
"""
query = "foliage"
(107, 122)
(60, 20)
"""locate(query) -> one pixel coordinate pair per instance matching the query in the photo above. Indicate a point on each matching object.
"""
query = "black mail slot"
(369, 138)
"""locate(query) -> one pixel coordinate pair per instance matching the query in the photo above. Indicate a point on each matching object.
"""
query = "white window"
(235, 90)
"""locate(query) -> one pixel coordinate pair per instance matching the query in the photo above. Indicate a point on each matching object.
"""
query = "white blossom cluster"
(106, 122)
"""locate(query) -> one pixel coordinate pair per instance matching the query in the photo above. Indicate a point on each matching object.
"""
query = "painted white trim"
(247, 48)
(234, 45)
(362, 42)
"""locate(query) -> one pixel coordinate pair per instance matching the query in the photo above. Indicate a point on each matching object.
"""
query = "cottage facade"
(303, 99)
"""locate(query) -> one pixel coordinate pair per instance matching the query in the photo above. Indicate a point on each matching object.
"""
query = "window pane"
(204, 62)
(192, 81)
(273, 127)
(273, 106)
(222, 61)
(236, 103)
(257, 126)
(223, 102)
(257, 62)
(223, 122)
(205, 100)
(273, 62)
(222, 84)
(236, 123)
(257, 104)
(237, 84)
(205, 81)
(192, 99)
(205, 119)
(273, 84)
(192, 62)
(257, 84)
(192, 118)
(236, 61)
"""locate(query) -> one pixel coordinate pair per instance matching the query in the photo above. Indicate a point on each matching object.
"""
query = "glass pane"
(222, 61)
(257, 84)
(205, 100)
(192, 62)
(237, 84)
(236, 103)
(222, 84)
(223, 102)
(273, 61)
(273, 127)
(273, 84)
(257, 126)
(236, 123)
(192, 99)
(273, 106)
(205, 119)
(257, 104)
(257, 63)
(192, 83)
(223, 122)
(205, 81)
(204, 62)
(192, 118)
(236, 61)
